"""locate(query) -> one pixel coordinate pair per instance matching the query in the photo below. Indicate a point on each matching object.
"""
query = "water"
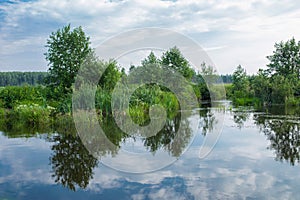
(256, 157)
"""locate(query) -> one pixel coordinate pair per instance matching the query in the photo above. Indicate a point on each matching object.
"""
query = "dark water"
(256, 157)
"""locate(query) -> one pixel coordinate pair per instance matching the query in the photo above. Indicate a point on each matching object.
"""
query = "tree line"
(69, 49)
(278, 84)
(21, 78)
(16, 78)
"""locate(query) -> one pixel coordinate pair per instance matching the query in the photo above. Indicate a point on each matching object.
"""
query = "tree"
(151, 67)
(261, 86)
(284, 70)
(67, 50)
(285, 60)
(240, 83)
(110, 76)
(151, 59)
(21, 78)
(206, 77)
(175, 60)
(282, 89)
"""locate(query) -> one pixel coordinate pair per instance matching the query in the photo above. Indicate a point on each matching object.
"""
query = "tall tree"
(284, 69)
(285, 60)
(175, 60)
(151, 59)
(261, 86)
(206, 77)
(67, 49)
(240, 83)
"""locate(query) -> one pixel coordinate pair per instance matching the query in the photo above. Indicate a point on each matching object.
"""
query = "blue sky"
(232, 32)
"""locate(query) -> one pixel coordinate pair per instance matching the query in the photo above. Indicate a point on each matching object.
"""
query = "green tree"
(284, 71)
(93, 71)
(151, 59)
(151, 67)
(175, 60)
(285, 59)
(110, 76)
(67, 50)
(206, 77)
(261, 87)
(281, 88)
(240, 83)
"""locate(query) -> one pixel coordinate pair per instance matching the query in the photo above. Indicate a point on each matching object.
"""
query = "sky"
(231, 32)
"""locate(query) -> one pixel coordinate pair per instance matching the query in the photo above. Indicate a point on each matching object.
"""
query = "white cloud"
(248, 29)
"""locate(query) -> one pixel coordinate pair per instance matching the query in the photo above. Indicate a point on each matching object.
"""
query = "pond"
(256, 156)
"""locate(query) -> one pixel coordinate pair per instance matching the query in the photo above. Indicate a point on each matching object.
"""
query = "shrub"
(33, 114)
(12, 96)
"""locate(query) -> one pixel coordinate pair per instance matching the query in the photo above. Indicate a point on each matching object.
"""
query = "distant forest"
(21, 78)
(37, 78)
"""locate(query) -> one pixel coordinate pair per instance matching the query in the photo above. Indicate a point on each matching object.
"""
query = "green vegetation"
(22, 78)
(12, 96)
(67, 50)
(37, 97)
(278, 84)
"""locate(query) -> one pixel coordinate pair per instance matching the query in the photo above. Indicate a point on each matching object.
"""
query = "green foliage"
(110, 76)
(92, 70)
(151, 59)
(64, 105)
(175, 60)
(248, 90)
(285, 59)
(281, 89)
(14, 95)
(279, 84)
(226, 78)
(103, 100)
(2, 112)
(293, 101)
(139, 113)
(33, 114)
(149, 95)
(261, 87)
(240, 84)
(67, 50)
(284, 72)
(21, 78)
(228, 89)
(205, 81)
(246, 101)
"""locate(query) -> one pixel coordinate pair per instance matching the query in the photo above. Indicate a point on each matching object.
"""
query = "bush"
(33, 114)
(228, 89)
(2, 113)
(293, 101)
(246, 101)
(147, 96)
(12, 96)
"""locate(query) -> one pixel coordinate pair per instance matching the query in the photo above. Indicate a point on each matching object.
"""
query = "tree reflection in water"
(207, 121)
(71, 162)
(240, 117)
(73, 165)
(283, 131)
(169, 139)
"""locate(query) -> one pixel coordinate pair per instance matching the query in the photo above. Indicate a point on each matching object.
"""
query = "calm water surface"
(256, 157)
